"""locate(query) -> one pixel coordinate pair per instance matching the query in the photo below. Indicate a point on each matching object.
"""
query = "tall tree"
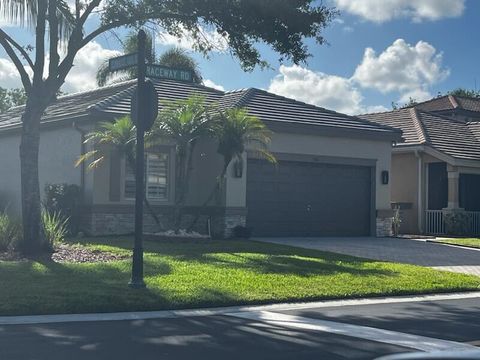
(282, 24)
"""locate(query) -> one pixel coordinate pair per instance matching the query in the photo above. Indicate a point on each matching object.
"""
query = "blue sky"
(418, 48)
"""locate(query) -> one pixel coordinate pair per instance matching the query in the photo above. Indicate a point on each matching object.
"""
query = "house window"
(156, 177)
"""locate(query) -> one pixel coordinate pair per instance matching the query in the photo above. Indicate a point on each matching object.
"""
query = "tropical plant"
(119, 136)
(185, 122)
(235, 131)
(10, 232)
(61, 31)
(55, 227)
(66, 199)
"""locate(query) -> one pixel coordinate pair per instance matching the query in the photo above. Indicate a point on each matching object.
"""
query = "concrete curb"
(171, 314)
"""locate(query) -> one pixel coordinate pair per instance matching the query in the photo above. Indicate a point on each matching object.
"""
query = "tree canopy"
(11, 97)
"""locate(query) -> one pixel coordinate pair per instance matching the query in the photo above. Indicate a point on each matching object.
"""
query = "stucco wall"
(404, 186)
(59, 149)
(334, 147)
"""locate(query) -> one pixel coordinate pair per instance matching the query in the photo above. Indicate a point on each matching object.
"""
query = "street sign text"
(163, 72)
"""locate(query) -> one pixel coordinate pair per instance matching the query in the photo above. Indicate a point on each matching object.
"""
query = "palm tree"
(179, 58)
(184, 121)
(235, 131)
(121, 136)
(174, 57)
(130, 45)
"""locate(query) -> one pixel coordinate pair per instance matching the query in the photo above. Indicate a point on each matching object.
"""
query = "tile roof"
(450, 102)
(453, 137)
(115, 100)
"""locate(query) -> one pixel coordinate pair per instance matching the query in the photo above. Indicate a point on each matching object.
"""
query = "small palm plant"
(236, 131)
(184, 122)
(121, 136)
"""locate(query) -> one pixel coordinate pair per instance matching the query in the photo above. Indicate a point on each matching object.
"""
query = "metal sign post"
(137, 260)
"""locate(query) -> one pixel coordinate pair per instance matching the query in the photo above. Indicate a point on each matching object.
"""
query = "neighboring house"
(436, 168)
(327, 182)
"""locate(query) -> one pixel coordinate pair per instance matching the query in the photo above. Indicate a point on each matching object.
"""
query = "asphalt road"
(231, 337)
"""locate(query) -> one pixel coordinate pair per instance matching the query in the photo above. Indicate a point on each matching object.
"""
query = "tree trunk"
(33, 236)
(213, 193)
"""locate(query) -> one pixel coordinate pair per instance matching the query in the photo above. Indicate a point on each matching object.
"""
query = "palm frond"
(23, 13)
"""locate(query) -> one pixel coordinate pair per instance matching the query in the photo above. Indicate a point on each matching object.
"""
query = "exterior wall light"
(238, 169)
(385, 177)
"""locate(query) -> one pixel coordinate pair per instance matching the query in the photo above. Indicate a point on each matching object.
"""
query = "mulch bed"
(69, 253)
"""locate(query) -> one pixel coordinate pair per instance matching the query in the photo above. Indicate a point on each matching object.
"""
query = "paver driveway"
(418, 252)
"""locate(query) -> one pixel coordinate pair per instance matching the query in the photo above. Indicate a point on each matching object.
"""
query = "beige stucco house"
(436, 166)
(327, 182)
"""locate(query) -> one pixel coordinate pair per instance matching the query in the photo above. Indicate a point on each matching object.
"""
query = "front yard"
(202, 273)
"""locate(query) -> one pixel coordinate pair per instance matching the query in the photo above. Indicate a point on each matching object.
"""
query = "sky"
(379, 52)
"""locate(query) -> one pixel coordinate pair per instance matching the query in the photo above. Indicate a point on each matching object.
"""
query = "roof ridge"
(247, 94)
(419, 129)
(453, 101)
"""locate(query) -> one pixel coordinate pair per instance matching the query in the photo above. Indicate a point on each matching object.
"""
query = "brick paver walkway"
(416, 252)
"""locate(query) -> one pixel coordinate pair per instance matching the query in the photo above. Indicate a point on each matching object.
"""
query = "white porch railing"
(435, 224)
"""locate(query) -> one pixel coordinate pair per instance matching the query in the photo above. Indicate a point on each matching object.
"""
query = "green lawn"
(473, 242)
(189, 274)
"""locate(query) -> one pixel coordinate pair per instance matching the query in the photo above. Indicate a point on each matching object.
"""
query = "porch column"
(453, 187)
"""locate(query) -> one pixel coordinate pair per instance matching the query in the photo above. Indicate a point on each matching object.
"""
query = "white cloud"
(9, 77)
(384, 10)
(329, 91)
(186, 41)
(409, 70)
(210, 83)
(83, 74)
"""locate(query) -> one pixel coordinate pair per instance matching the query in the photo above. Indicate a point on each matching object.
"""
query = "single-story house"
(328, 181)
(436, 168)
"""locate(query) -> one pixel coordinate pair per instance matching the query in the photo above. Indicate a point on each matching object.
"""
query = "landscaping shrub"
(55, 227)
(242, 232)
(10, 232)
(457, 223)
(65, 199)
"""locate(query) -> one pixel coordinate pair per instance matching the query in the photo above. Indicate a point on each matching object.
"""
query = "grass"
(189, 274)
(472, 242)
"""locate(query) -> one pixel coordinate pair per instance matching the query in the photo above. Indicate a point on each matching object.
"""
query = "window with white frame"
(156, 177)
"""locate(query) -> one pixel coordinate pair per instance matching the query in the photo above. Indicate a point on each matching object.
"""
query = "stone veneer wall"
(384, 226)
(117, 221)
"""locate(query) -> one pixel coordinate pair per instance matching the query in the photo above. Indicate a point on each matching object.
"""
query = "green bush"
(457, 223)
(66, 200)
(10, 232)
(55, 227)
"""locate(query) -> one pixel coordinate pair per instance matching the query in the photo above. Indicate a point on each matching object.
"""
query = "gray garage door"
(308, 199)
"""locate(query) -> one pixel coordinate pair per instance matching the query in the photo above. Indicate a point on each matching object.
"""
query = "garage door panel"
(308, 199)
